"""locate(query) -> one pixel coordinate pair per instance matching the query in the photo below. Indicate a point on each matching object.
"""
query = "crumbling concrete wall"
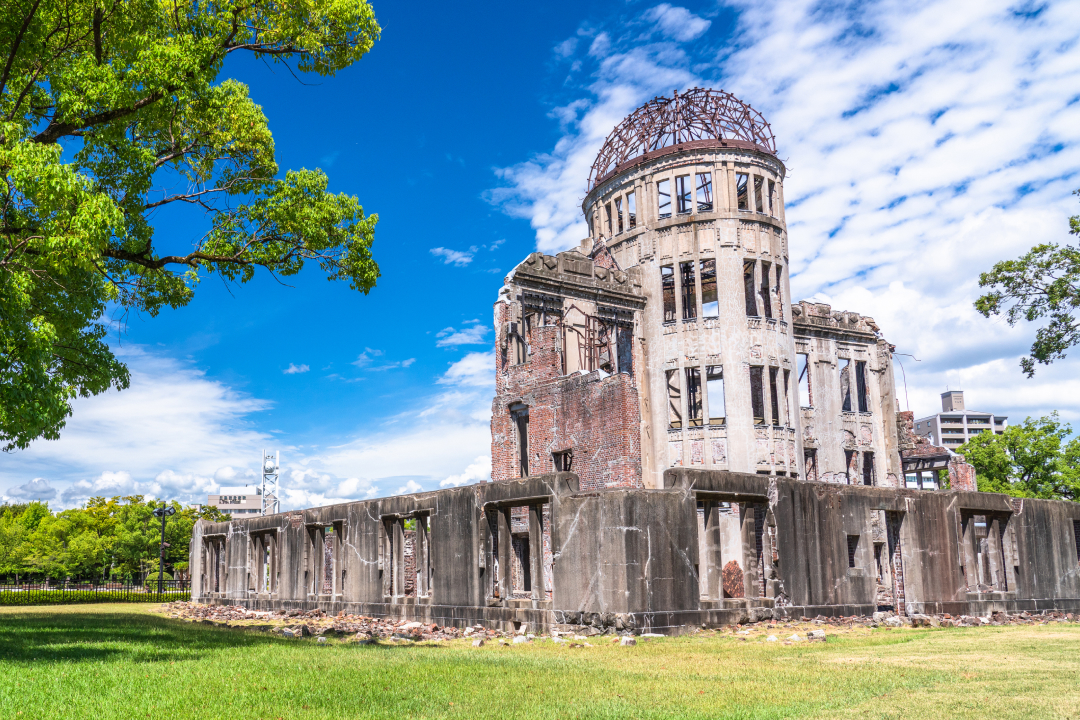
(711, 548)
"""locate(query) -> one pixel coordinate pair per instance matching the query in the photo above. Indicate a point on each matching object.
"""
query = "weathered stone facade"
(675, 443)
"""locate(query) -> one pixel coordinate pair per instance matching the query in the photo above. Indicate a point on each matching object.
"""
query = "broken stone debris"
(365, 629)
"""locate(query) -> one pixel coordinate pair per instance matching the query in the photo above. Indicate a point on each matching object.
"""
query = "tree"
(1029, 460)
(102, 104)
(1044, 283)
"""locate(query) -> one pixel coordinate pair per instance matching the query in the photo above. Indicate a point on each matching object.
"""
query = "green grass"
(120, 661)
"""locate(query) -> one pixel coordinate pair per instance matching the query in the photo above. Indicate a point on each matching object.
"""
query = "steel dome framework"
(698, 118)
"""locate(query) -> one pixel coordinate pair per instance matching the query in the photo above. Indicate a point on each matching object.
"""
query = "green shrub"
(75, 597)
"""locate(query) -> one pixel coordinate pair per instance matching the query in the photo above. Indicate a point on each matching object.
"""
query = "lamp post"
(162, 512)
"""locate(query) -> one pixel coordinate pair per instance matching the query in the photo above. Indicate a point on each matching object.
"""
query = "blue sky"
(924, 141)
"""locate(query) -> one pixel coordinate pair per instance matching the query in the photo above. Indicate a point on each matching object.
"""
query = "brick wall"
(596, 417)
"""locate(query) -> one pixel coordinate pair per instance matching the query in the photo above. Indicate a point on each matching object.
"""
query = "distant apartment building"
(242, 500)
(955, 425)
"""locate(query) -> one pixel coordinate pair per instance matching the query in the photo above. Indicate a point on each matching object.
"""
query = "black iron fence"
(70, 593)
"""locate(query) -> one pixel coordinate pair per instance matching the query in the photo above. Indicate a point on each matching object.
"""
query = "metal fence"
(72, 593)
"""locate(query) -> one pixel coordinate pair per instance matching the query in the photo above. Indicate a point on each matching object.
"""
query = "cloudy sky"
(924, 142)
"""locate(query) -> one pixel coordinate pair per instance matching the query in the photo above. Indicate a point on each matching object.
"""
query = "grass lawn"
(120, 661)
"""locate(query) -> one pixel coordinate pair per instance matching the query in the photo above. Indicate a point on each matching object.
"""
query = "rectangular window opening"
(748, 288)
(618, 215)
(772, 198)
(1076, 538)
(786, 390)
(757, 393)
(779, 291)
(689, 290)
(693, 396)
(845, 385)
(805, 399)
(851, 461)
(631, 210)
(683, 194)
(810, 461)
(521, 423)
(667, 284)
(674, 400)
(759, 193)
(742, 193)
(607, 216)
(852, 546)
(704, 192)
(766, 301)
(774, 392)
(625, 350)
(714, 387)
(663, 196)
(868, 468)
(860, 386)
(563, 461)
(710, 300)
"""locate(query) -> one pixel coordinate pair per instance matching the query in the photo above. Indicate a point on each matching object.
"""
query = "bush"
(151, 579)
(77, 597)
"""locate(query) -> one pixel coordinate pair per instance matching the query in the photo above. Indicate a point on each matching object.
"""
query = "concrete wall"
(710, 547)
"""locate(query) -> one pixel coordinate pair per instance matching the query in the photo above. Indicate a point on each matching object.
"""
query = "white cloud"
(479, 470)
(449, 337)
(476, 369)
(295, 369)
(454, 257)
(924, 142)
(677, 23)
(177, 434)
(36, 489)
(364, 359)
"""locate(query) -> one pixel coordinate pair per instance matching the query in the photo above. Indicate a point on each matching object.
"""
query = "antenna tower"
(271, 466)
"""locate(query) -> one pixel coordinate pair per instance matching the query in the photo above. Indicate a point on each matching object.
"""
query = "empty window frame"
(772, 198)
(631, 211)
(693, 397)
(851, 465)
(805, 397)
(759, 193)
(748, 288)
(520, 416)
(714, 388)
(1076, 538)
(860, 386)
(704, 192)
(868, 468)
(810, 461)
(674, 400)
(563, 461)
(663, 196)
(742, 192)
(607, 217)
(689, 290)
(757, 393)
(785, 388)
(710, 300)
(624, 349)
(667, 285)
(683, 194)
(845, 385)
(774, 394)
(852, 546)
(618, 215)
(766, 300)
(778, 291)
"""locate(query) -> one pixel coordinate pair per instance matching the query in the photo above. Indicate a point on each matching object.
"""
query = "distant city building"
(242, 500)
(955, 425)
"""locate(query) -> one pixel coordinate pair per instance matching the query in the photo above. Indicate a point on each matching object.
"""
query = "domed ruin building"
(676, 443)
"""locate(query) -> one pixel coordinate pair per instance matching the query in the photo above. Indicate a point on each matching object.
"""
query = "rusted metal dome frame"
(699, 118)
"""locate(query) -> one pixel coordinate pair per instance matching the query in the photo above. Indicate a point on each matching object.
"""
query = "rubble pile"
(362, 628)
